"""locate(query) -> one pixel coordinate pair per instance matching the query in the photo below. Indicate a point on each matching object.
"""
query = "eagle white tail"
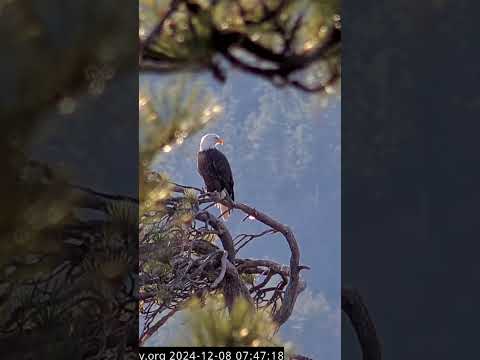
(224, 211)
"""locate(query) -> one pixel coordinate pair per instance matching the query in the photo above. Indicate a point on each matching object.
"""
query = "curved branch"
(221, 229)
(222, 271)
(292, 291)
(356, 310)
(233, 286)
(245, 264)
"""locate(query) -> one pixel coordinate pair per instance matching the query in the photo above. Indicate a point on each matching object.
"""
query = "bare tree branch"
(154, 328)
(222, 271)
(291, 292)
(222, 230)
(229, 269)
(209, 271)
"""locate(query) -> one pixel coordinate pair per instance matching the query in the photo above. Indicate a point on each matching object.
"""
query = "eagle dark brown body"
(213, 166)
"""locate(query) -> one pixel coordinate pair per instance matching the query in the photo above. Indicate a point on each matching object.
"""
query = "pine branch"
(224, 42)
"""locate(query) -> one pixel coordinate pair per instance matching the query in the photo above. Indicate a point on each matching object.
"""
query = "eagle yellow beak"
(220, 141)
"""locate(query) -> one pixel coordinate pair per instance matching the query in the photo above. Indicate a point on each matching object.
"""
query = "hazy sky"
(284, 150)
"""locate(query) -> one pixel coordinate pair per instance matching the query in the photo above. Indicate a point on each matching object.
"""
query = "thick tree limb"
(354, 307)
(222, 230)
(291, 293)
(222, 271)
(233, 286)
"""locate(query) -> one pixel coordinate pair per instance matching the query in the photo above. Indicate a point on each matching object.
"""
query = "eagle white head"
(210, 141)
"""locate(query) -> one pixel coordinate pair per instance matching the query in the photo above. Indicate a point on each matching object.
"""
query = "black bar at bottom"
(211, 353)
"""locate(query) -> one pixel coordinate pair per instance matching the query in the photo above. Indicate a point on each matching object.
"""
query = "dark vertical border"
(410, 106)
(69, 184)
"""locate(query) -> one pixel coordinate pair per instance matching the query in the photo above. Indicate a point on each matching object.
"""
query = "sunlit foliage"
(289, 42)
(212, 325)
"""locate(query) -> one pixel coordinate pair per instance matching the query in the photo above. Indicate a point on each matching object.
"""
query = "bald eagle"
(215, 170)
